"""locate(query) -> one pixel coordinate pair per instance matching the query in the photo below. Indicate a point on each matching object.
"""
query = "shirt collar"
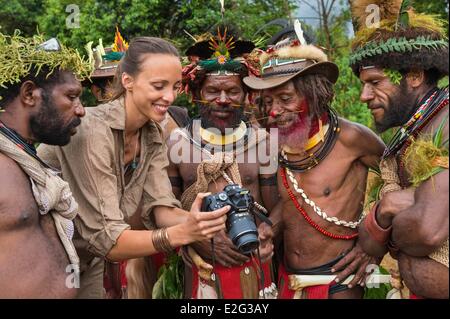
(115, 117)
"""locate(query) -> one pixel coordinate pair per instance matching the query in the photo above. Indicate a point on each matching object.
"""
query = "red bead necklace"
(305, 215)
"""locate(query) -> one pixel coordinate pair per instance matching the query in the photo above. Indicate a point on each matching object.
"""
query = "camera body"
(241, 226)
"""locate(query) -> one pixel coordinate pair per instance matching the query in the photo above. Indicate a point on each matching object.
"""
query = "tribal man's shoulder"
(442, 118)
(351, 132)
(11, 176)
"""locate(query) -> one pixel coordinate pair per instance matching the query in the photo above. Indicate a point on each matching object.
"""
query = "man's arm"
(269, 191)
(268, 181)
(276, 217)
(12, 187)
(367, 145)
(423, 228)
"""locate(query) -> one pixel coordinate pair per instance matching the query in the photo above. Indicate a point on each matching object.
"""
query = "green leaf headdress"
(391, 35)
(20, 56)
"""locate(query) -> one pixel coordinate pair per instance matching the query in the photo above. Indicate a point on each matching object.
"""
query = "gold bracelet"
(160, 239)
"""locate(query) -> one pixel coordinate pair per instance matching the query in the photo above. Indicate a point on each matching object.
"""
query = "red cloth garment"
(313, 292)
(230, 282)
(158, 259)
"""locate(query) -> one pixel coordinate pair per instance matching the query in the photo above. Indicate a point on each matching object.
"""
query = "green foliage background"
(171, 19)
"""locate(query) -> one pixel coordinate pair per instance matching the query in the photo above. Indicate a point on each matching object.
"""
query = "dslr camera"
(241, 226)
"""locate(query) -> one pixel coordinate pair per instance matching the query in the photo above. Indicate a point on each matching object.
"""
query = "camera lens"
(243, 232)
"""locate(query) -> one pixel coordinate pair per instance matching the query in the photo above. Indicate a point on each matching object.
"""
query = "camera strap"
(262, 217)
(215, 279)
(261, 270)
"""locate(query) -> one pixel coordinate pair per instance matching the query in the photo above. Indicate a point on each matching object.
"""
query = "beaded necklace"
(314, 159)
(305, 215)
(21, 143)
(424, 114)
(317, 209)
(210, 147)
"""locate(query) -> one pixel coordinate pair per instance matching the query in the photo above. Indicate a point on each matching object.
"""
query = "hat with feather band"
(291, 58)
(106, 60)
(223, 53)
(399, 39)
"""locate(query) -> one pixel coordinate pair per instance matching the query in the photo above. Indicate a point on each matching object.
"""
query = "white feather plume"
(299, 32)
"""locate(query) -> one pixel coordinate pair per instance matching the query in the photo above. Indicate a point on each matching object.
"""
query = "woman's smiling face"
(156, 85)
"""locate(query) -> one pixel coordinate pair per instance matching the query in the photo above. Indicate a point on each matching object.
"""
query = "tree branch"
(330, 8)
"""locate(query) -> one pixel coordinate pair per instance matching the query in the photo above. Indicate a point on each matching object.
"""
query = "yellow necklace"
(217, 139)
(313, 141)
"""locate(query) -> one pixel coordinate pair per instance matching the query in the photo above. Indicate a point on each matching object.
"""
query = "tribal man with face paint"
(324, 162)
(223, 148)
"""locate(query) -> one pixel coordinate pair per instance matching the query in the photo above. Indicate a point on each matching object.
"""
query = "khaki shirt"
(93, 165)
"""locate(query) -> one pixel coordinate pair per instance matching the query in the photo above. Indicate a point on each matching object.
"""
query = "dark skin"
(32, 256)
(418, 216)
(224, 93)
(337, 185)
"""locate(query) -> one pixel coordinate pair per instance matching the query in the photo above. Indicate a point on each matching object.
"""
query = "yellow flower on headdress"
(222, 59)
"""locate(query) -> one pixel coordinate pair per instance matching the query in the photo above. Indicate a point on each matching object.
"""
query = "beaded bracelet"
(375, 231)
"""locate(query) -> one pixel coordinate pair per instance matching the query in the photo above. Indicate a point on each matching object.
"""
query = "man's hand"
(355, 262)
(226, 253)
(394, 203)
(265, 242)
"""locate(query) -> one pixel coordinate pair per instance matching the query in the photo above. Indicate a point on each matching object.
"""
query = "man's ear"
(127, 82)
(28, 93)
(415, 78)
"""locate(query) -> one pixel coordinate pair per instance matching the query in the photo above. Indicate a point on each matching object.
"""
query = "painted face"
(59, 113)
(222, 102)
(390, 104)
(288, 112)
(156, 86)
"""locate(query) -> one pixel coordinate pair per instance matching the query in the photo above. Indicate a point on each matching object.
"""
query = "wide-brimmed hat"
(105, 60)
(289, 59)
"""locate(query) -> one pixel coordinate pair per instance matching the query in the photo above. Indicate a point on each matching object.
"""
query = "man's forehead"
(289, 86)
(68, 81)
(222, 80)
(370, 71)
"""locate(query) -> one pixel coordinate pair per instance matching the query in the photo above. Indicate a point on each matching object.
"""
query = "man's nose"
(275, 109)
(366, 94)
(79, 110)
(223, 98)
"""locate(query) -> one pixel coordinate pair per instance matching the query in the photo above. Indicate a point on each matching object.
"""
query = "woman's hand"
(204, 225)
